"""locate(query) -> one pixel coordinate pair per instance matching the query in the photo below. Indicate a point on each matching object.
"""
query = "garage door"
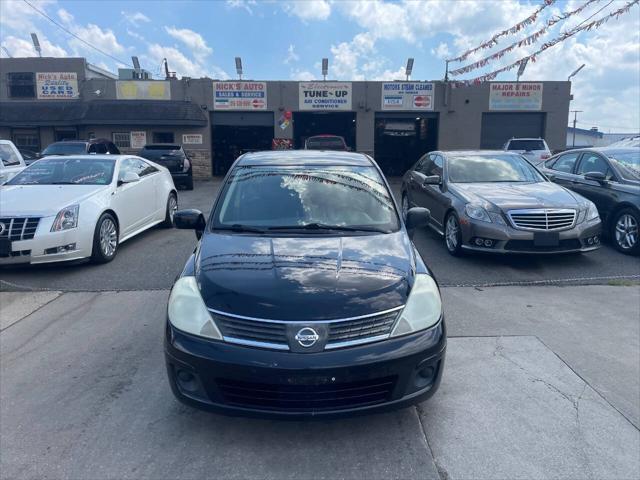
(497, 128)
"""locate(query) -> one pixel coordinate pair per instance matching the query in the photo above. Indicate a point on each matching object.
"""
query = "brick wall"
(201, 161)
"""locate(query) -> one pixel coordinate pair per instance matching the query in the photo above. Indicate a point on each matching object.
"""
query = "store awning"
(101, 112)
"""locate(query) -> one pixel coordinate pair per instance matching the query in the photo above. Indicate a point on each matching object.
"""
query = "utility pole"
(575, 120)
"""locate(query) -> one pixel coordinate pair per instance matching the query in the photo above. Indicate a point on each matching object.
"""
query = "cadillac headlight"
(477, 212)
(187, 311)
(423, 308)
(66, 219)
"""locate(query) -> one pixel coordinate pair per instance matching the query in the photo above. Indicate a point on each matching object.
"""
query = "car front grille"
(543, 219)
(273, 334)
(311, 397)
(18, 228)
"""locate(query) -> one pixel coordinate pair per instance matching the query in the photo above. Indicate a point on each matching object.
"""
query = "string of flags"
(562, 37)
(525, 41)
(510, 31)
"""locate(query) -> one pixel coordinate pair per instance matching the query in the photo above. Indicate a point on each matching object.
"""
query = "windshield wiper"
(64, 183)
(323, 226)
(236, 227)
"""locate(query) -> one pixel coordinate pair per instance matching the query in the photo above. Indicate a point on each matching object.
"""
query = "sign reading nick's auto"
(239, 95)
(324, 95)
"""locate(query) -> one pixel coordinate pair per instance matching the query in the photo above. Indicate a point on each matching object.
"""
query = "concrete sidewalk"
(539, 382)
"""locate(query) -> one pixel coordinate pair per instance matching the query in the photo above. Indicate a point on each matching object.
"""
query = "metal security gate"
(497, 128)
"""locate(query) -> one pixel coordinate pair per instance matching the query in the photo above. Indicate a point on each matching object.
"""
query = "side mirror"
(432, 180)
(417, 217)
(550, 176)
(190, 219)
(596, 177)
(129, 177)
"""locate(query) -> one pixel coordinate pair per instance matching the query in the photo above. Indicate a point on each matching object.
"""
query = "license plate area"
(5, 247)
(546, 239)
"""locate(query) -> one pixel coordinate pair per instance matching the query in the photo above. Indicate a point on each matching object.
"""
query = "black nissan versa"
(305, 295)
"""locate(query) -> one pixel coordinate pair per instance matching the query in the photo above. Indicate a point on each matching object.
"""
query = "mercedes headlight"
(187, 311)
(66, 219)
(592, 212)
(477, 212)
(423, 308)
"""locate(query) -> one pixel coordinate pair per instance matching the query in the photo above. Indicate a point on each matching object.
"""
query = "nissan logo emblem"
(3, 227)
(307, 337)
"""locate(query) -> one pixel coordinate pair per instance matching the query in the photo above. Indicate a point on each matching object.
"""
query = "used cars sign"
(325, 95)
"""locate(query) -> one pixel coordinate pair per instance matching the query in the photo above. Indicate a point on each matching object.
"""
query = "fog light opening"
(424, 376)
(590, 240)
(187, 381)
(479, 242)
(488, 242)
(61, 249)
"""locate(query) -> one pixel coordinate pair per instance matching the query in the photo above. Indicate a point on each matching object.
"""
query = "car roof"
(166, 145)
(304, 157)
(526, 138)
(603, 150)
(91, 156)
(475, 153)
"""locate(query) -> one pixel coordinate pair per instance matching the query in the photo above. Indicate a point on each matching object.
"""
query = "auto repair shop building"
(43, 100)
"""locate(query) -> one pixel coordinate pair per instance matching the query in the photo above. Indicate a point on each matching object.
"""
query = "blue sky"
(363, 39)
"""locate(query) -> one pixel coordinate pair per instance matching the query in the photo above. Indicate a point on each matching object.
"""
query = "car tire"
(453, 235)
(171, 208)
(625, 231)
(105, 239)
(404, 207)
(189, 184)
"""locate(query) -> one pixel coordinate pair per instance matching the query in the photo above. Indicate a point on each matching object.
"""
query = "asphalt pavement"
(152, 260)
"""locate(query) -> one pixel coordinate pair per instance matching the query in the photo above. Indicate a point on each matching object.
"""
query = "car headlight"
(592, 212)
(423, 308)
(477, 212)
(497, 218)
(66, 219)
(187, 311)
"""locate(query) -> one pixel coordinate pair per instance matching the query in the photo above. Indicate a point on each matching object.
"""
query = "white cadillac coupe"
(82, 206)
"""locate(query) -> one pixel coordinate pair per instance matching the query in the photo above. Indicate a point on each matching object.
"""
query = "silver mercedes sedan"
(495, 201)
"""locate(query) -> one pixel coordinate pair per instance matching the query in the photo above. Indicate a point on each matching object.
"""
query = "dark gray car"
(498, 202)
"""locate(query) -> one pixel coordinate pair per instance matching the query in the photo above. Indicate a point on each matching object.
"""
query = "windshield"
(497, 168)
(325, 143)
(66, 171)
(65, 148)
(157, 151)
(8, 156)
(320, 196)
(628, 164)
(526, 145)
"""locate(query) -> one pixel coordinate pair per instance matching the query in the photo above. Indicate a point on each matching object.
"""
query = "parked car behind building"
(535, 150)
(326, 142)
(81, 147)
(498, 202)
(11, 161)
(174, 158)
(609, 177)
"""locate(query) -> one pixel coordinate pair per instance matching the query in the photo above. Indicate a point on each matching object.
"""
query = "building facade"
(43, 100)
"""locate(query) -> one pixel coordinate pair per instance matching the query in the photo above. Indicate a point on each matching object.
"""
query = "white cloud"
(105, 40)
(135, 35)
(441, 51)
(20, 47)
(180, 63)
(191, 40)
(18, 16)
(302, 75)
(399, 74)
(135, 18)
(244, 4)
(65, 16)
(307, 10)
(347, 56)
(292, 56)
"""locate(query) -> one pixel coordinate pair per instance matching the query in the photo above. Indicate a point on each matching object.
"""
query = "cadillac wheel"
(105, 245)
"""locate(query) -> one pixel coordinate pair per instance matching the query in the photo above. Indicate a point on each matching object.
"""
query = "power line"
(76, 36)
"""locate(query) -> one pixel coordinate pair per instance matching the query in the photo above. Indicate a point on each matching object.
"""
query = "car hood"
(305, 278)
(43, 200)
(508, 196)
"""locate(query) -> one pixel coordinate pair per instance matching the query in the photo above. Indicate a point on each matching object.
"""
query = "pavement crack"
(442, 472)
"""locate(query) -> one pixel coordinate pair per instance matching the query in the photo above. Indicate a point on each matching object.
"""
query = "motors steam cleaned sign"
(515, 96)
(407, 96)
(239, 95)
(325, 95)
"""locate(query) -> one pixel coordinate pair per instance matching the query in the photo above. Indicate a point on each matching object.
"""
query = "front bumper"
(506, 239)
(37, 250)
(238, 380)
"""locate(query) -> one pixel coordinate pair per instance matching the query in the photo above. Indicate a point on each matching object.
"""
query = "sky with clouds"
(363, 39)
